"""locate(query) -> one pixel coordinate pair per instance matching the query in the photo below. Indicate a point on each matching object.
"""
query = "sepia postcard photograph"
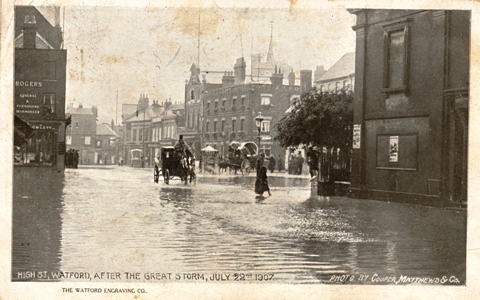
(238, 151)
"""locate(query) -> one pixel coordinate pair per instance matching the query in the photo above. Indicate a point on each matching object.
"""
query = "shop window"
(267, 149)
(87, 140)
(40, 149)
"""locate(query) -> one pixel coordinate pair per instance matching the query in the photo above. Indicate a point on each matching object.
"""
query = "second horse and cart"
(241, 156)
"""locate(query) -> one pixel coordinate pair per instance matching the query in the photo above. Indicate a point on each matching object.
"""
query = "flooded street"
(117, 220)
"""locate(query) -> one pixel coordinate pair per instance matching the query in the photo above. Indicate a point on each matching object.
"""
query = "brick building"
(229, 111)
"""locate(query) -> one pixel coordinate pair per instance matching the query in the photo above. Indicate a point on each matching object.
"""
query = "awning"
(22, 131)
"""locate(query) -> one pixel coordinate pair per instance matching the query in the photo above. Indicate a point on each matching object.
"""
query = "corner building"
(229, 111)
(411, 106)
(40, 87)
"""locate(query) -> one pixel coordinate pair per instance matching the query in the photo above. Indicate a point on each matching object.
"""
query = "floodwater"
(116, 220)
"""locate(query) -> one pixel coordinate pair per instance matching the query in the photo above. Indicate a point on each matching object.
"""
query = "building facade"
(105, 145)
(341, 76)
(411, 106)
(229, 112)
(80, 134)
(150, 128)
(194, 109)
(39, 90)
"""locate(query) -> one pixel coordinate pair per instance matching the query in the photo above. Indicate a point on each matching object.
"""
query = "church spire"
(270, 58)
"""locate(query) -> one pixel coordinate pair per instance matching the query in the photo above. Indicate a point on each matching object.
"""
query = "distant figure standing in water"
(261, 184)
(271, 163)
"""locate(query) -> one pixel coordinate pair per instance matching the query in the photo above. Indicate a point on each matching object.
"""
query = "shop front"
(43, 147)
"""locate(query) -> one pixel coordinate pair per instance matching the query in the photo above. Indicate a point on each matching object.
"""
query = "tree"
(320, 119)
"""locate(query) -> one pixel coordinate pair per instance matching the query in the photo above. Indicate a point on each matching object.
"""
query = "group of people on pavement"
(71, 158)
(295, 164)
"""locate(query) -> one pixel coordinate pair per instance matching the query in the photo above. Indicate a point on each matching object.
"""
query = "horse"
(223, 165)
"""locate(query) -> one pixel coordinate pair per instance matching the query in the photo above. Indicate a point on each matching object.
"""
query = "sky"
(149, 50)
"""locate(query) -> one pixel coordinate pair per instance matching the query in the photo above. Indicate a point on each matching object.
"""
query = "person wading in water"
(261, 184)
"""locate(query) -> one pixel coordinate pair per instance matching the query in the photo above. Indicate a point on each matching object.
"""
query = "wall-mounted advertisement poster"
(393, 153)
(357, 128)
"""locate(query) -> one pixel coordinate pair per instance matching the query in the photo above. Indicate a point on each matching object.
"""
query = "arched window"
(192, 95)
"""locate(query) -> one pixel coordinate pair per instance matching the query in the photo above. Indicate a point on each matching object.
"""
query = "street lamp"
(258, 121)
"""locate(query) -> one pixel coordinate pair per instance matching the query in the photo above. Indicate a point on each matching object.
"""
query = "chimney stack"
(29, 32)
(291, 78)
(305, 80)
(277, 77)
(240, 71)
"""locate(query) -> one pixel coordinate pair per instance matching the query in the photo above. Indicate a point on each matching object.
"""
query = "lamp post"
(258, 122)
(143, 139)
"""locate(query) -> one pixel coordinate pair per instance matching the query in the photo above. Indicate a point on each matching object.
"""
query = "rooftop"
(344, 67)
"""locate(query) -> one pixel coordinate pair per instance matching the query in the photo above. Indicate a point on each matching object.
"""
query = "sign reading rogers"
(28, 83)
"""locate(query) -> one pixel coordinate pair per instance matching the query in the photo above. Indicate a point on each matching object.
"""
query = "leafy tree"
(321, 119)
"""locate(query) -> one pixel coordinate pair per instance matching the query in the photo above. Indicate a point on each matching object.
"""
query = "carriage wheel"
(166, 176)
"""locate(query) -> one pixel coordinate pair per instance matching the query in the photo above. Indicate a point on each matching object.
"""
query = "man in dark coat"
(271, 163)
(280, 163)
(300, 163)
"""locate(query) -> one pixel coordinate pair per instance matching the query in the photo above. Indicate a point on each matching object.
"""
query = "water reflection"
(36, 237)
(117, 220)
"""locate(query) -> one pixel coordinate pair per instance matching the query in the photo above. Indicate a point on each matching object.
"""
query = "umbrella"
(209, 149)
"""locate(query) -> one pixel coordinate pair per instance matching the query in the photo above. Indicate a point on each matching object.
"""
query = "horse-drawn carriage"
(173, 163)
(241, 156)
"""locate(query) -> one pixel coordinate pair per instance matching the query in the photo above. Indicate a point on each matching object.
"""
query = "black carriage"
(173, 164)
(241, 156)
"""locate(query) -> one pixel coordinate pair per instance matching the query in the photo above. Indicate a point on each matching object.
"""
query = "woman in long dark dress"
(261, 184)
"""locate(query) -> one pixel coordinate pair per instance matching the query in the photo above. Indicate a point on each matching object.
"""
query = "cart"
(173, 165)
(241, 156)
